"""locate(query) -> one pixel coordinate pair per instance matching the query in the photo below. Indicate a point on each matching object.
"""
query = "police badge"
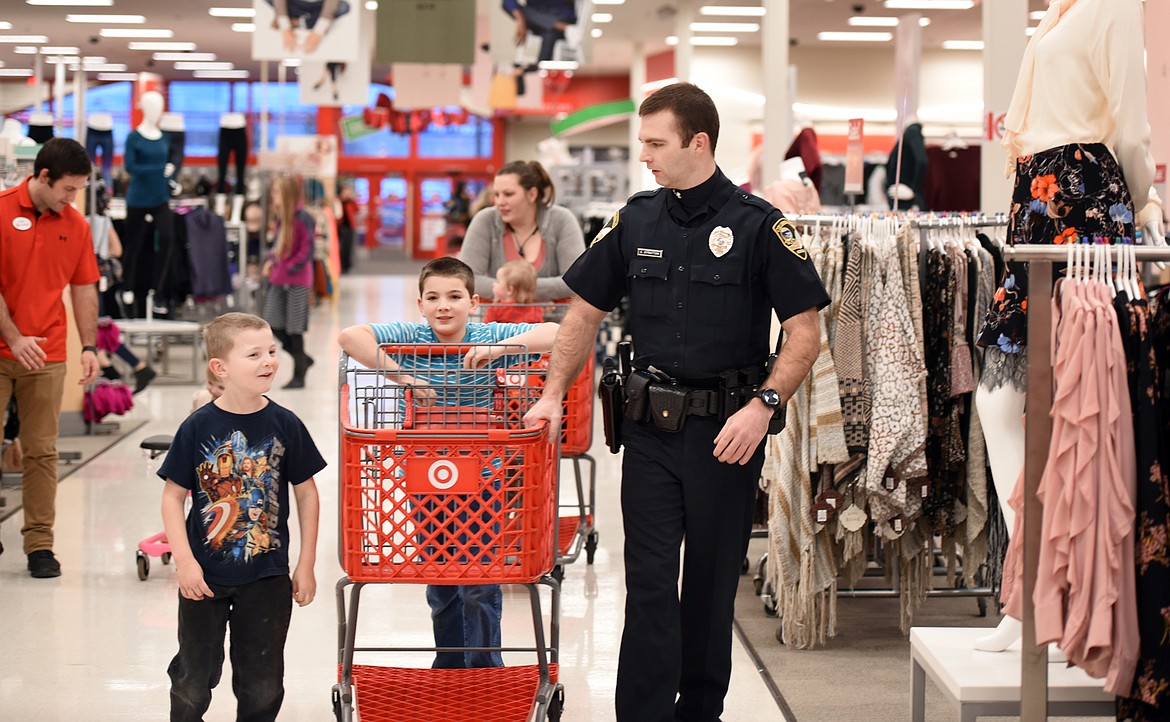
(720, 241)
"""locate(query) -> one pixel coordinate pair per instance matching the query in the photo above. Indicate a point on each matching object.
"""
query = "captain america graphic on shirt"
(238, 497)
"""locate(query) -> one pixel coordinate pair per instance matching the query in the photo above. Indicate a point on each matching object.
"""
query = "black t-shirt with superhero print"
(239, 468)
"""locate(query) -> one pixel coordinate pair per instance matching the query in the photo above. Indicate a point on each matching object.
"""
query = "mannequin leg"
(241, 151)
(221, 161)
(1001, 411)
(138, 260)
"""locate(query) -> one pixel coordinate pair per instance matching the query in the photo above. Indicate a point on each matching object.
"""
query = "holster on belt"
(613, 404)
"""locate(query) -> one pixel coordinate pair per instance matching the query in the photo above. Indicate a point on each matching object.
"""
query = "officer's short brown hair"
(694, 111)
(448, 267)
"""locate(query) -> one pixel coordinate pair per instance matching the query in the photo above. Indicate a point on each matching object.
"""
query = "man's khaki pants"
(38, 401)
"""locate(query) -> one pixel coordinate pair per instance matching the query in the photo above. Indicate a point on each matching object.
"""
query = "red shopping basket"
(576, 409)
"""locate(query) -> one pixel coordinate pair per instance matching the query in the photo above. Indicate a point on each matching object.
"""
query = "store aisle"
(95, 643)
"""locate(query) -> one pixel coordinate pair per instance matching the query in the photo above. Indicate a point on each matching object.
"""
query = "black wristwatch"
(89, 348)
(770, 397)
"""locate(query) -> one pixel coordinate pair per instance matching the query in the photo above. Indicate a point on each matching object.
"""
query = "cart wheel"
(744, 566)
(337, 702)
(558, 573)
(590, 547)
(143, 566)
(556, 705)
(769, 599)
(166, 557)
(982, 602)
(758, 585)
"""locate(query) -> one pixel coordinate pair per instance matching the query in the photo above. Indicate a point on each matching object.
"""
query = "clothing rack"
(925, 223)
(1037, 435)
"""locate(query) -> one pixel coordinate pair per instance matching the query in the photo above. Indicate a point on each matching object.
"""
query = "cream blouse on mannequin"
(1088, 85)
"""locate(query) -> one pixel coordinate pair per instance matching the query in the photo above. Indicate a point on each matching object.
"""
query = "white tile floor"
(95, 643)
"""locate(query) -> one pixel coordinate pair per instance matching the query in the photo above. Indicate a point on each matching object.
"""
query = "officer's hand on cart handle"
(546, 408)
(27, 350)
(191, 583)
(741, 435)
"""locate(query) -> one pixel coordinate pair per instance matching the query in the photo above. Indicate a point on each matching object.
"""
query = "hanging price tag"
(833, 498)
(890, 483)
(853, 518)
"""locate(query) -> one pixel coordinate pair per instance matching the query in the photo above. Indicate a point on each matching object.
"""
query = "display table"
(988, 683)
(140, 331)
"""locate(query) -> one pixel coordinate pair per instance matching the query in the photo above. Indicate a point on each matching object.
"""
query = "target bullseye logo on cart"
(442, 476)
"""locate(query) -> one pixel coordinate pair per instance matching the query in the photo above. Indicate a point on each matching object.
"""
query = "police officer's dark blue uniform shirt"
(703, 268)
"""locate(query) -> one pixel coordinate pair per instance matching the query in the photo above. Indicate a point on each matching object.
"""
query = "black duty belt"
(704, 402)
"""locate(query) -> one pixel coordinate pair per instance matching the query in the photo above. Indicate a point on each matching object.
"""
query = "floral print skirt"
(1073, 193)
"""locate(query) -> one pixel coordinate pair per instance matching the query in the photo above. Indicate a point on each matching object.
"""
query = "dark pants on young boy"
(259, 614)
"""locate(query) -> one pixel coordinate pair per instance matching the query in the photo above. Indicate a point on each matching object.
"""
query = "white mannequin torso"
(100, 121)
(232, 120)
(172, 123)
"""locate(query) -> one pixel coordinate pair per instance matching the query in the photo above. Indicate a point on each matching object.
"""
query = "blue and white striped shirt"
(444, 373)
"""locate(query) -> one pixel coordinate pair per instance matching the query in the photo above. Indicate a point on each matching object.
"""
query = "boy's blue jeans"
(466, 616)
(259, 613)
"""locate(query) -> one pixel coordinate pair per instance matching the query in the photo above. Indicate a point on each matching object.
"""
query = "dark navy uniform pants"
(675, 490)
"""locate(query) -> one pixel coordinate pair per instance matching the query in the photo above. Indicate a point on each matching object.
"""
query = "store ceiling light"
(223, 65)
(876, 21)
(117, 77)
(244, 27)
(194, 57)
(30, 39)
(609, 2)
(962, 45)
(60, 50)
(671, 40)
(602, 17)
(714, 40)
(5, 26)
(734, 10)
(15, 73)
(74, 3)
(222, 74)
(162, 45)
(725, 27)
(66, 59)
(930, 4)
(1037, 15)
(855, 37)
(25, 50)
(595, 33)
(158, 33)
(107, 19)
(93, 60)
(1030, 31)
(371, 4)
(232, 12)
(103, 67)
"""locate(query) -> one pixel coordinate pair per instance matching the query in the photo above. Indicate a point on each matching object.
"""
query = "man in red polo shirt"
(45, 245)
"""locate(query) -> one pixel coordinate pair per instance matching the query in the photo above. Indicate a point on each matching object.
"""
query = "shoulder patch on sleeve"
(609, 226)
(788, 235)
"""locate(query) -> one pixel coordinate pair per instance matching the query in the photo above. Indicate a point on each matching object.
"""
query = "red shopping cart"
(441, 484)
(575, 526)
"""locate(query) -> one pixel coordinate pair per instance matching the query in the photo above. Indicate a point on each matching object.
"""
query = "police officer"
(704, 265)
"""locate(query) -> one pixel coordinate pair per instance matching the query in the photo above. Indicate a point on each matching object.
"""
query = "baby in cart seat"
(462, 616)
